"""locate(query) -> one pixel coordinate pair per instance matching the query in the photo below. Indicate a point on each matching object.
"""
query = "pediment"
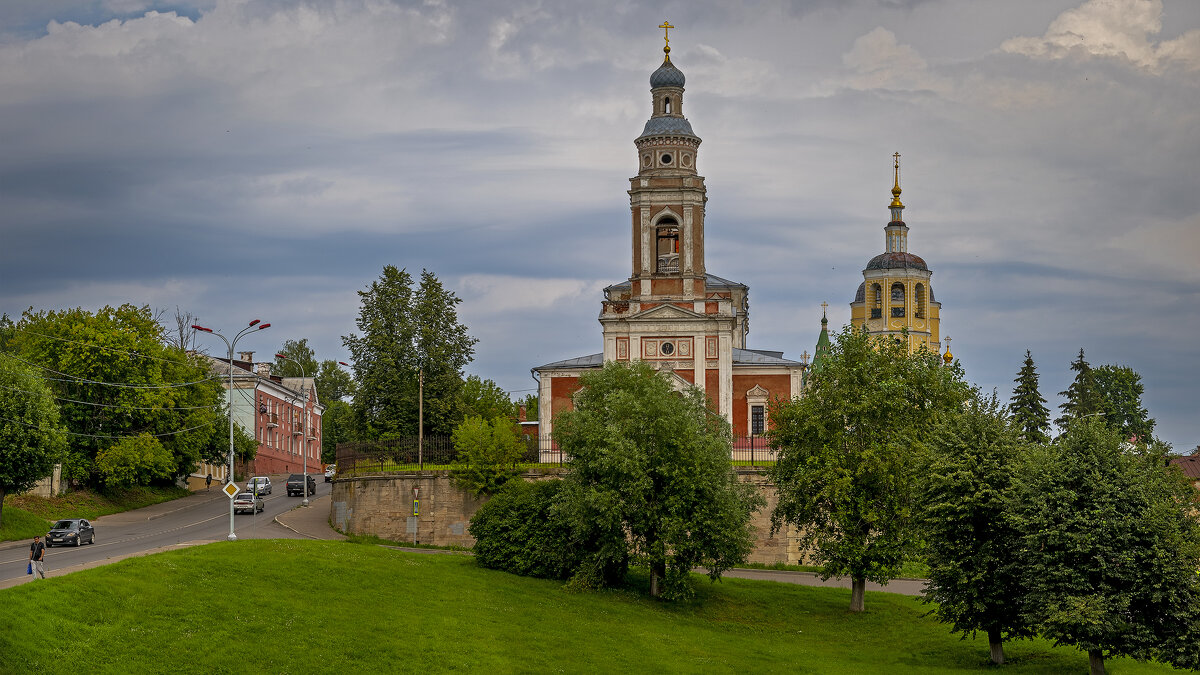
(668, 312)
(757, 392)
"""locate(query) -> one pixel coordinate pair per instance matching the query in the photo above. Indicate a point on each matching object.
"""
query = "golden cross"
(824, 306)
(896, 157)
(666, 26)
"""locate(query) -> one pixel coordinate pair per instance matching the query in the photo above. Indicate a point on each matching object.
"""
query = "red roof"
(1189, 464)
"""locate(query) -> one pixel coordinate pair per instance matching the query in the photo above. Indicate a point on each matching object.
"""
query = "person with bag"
(37, 554)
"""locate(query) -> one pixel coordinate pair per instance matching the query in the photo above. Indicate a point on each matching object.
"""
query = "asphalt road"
(198, 518)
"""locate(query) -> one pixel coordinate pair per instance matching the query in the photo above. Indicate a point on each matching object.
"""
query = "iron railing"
(396, 455)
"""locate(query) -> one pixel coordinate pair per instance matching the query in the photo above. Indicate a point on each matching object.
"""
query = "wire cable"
(126, 385)
(94, 346)
(109, 405)
(72, 433)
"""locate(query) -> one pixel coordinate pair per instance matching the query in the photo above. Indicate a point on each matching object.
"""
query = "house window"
(757, 420)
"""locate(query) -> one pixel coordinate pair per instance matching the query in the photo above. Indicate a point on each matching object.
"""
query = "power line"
(72, 433)
(95, 346)
(126, 385)
(109, 405)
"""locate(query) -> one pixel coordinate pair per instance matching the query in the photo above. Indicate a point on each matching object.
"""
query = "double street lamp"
(303, 431)
(255, 325)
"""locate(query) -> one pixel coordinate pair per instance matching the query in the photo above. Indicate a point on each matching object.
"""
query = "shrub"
(487, 454)
(519, 531)
(135, 460)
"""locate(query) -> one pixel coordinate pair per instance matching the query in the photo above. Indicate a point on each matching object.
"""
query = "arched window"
(666, 105)
(876, 301)
(897, 299)
(667, 247)
(920, 295)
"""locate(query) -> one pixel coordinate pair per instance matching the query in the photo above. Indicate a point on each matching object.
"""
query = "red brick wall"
(561, 389)
(778, 385)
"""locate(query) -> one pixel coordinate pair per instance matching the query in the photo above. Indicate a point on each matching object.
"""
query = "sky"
(241, 159)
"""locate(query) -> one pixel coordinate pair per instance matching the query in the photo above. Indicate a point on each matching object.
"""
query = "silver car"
(248, 502)
(259, 484)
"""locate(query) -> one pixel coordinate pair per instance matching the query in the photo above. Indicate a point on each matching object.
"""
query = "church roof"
(667, 126)
(1190, 465)
(741, 357)
(896, 260)
(711, 281)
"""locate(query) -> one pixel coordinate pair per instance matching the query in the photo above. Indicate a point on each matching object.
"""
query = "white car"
(259, 485)
(329, 472)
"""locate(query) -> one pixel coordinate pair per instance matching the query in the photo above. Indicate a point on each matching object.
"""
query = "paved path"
(900, 586)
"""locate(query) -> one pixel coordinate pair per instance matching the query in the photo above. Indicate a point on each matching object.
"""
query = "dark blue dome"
(667, 75)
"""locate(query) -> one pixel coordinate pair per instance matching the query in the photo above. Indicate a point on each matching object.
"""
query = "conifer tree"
(1027, 407)
(1083, 396)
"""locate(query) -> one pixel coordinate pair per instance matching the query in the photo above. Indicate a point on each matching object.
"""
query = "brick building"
(283, 414)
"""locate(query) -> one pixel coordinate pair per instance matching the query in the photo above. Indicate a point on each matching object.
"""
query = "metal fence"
(409, 453)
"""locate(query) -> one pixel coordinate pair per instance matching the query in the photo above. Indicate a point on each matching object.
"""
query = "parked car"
(73, 532)
(329, 472)
(295, 485)
(248, 502)
(259, 484)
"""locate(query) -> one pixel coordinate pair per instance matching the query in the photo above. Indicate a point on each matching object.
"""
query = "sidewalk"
(311, 521)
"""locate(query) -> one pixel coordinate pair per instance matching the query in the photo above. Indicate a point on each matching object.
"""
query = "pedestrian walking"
(208, 481)
(37, 553)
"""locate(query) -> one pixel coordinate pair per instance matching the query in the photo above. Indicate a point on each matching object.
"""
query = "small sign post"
(230, 489)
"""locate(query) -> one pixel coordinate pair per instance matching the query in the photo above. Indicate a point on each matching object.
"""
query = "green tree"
(488, 451)
(530, 402)
(849, 453)
(486, 399)
(135, 460)
(974, 576)
(333, 383)
(1121, 389)
(31, 436)
(117, 378)
(520, 530)
(1027, 406)
(650, 479)
(408, 335)
(1110, 546)
(1082, 397)
(302, 360)
(337, 426)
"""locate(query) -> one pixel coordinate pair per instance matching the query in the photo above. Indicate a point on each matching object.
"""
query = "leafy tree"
(302, 360)
(1121, 389)
(31, 436)
(117, 378)
(521, 531)
(531, 407)
(486, 399)
(337, 426)
(135, 460)
(650, 479)
(333, 383)
(1027, 406)
(1110, 547)
(1083, 396)
(974, 576)
(488, 451)
(849, 454)
(408, 334)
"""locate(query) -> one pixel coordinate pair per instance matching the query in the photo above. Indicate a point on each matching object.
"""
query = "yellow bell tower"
(895, 294)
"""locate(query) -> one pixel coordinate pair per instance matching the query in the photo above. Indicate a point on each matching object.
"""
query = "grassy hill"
(301, 606)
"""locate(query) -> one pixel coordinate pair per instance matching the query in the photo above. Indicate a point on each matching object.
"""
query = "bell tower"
(667, 196)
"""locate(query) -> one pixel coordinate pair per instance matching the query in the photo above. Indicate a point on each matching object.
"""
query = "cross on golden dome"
(896, 187)
(666, 26)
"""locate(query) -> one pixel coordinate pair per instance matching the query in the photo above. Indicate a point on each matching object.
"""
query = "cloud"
(878, 61)
(1121, 29)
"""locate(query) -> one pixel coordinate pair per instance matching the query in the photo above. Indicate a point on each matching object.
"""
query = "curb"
(279, 522)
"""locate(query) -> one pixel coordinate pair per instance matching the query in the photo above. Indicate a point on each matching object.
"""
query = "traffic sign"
(231, 489)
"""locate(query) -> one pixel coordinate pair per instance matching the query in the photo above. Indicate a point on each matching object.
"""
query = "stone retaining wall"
(383, 506)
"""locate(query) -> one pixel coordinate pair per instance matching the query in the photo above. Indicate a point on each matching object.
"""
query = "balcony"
(272, 419)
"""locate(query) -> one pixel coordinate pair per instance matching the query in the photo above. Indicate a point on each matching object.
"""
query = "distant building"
(282, 413)
(671, 312)
(895, 295)
(1190, 465)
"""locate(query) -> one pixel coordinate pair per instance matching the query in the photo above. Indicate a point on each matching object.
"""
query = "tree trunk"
(997, 645)
(858, 587)
(654, 589)
(1095, 662)
(658, 577)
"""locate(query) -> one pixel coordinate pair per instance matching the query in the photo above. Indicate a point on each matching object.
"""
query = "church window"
(877, 299)
(667, 105)
(897, 312)
(920, 293)
(667, 250)
(757, 420)
(666, 158)
(897, 292)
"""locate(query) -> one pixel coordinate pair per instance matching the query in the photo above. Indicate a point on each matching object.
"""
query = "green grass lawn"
(301, 606)
(27, 515)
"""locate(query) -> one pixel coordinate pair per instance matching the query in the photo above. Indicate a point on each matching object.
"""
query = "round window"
(646, 160)
(666, 158)
(667, 348)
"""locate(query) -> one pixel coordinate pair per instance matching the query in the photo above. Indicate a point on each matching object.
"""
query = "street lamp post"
(254, 326)
(303, 433)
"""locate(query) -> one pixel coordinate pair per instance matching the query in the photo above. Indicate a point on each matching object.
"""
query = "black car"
(72, 532)
(295, 485)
